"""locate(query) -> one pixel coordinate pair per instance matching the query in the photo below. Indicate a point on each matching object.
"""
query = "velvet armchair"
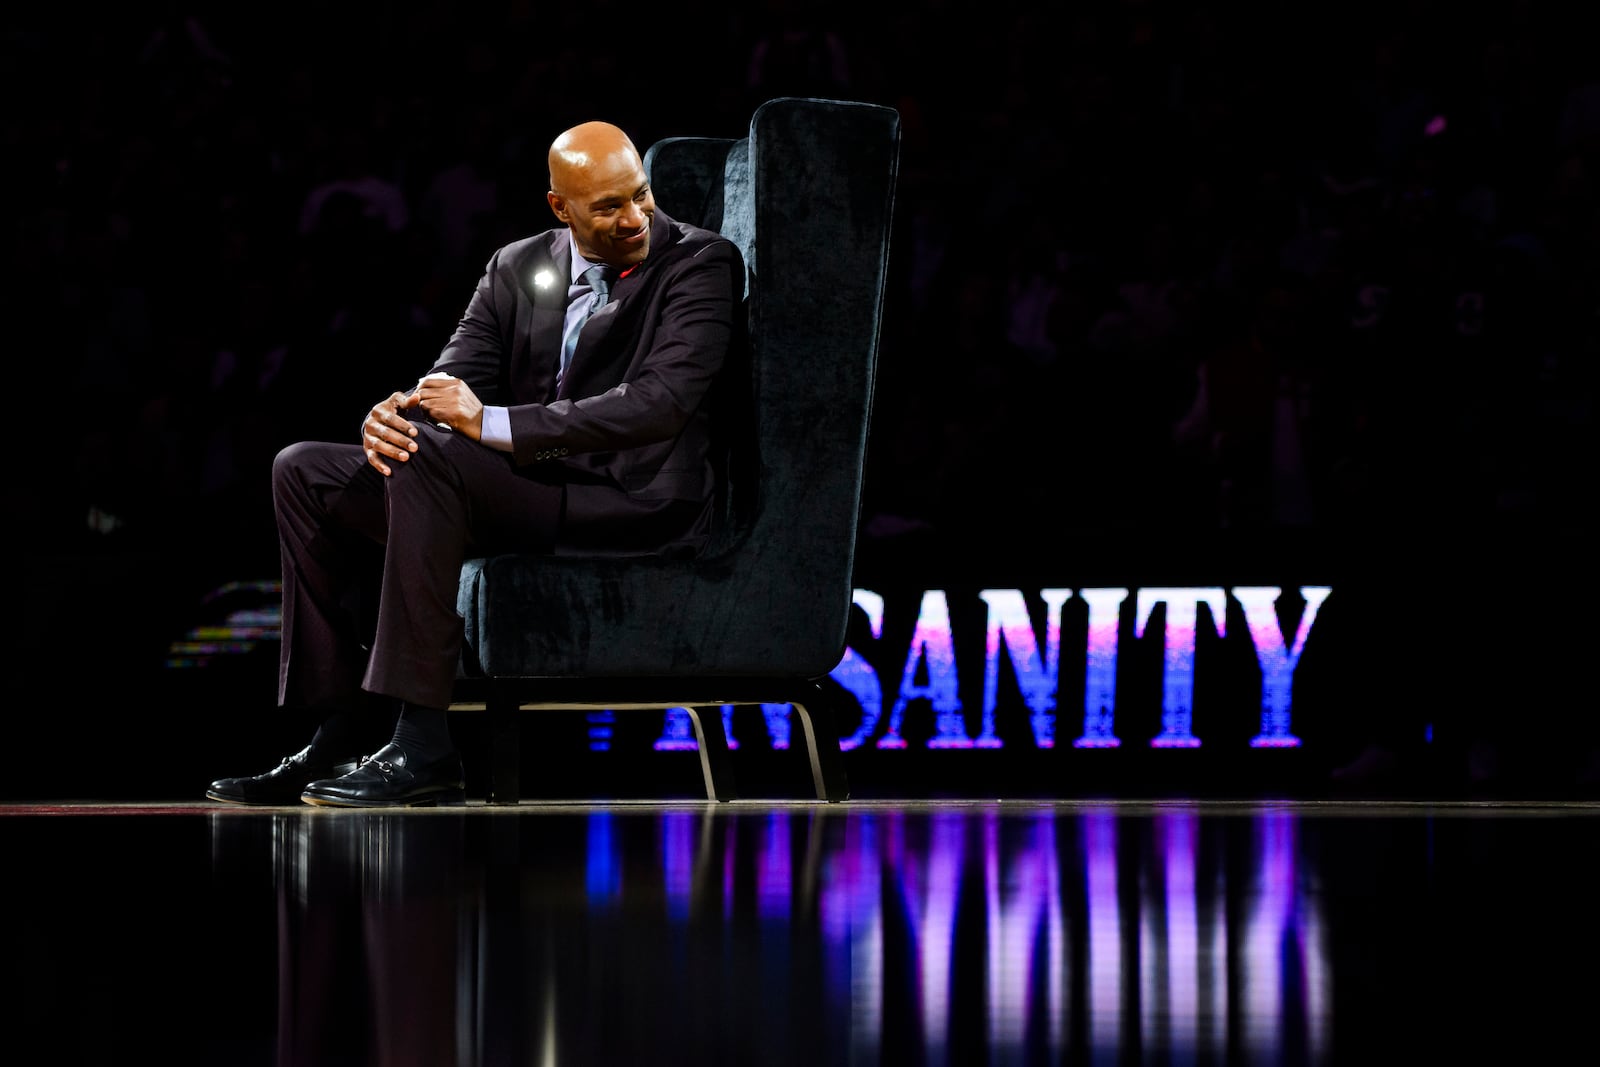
(759, 617)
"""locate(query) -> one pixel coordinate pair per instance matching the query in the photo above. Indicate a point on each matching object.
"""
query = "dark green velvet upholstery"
(761, 615)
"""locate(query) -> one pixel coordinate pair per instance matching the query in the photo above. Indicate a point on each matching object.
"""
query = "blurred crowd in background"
(1163, 273)
(1156, 264)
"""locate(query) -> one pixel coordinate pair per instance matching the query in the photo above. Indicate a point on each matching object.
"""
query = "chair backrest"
(688, 176)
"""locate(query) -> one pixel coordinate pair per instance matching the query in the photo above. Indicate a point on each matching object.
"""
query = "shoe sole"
(438, 798)
(219, 798)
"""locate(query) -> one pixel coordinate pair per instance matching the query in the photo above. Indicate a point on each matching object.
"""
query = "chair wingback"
(823, 177)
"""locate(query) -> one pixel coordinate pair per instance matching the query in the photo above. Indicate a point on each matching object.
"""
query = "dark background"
(1180, 294)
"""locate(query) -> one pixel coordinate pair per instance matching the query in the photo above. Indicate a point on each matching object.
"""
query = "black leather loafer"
(281, 785)
(388, 778)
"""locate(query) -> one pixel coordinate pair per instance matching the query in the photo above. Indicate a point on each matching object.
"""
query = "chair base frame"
(702, 700)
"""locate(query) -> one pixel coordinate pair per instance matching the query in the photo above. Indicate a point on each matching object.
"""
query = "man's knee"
(431, 468)
(289, 464)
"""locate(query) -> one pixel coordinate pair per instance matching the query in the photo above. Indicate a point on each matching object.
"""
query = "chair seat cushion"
(533, 616)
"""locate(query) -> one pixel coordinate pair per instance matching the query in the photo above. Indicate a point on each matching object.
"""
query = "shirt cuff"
(496, 429)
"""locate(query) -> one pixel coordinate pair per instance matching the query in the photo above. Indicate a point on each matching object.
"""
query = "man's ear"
(558, 204)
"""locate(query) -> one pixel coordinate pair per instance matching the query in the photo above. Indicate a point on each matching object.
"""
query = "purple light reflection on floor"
(1071, 917)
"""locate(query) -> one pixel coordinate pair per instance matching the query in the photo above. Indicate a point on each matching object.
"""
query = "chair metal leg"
(715, 762)
(822, 743)
(505, 749)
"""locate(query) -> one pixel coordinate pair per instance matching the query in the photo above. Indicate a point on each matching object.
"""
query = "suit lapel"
(540, 319)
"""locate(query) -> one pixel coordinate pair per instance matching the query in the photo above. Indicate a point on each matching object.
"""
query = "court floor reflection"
(939, 933)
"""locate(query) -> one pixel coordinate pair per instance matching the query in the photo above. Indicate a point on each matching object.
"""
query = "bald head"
(588, 149)
(599, 189)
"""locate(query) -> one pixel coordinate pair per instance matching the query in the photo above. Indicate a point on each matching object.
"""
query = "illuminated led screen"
(1027, 641)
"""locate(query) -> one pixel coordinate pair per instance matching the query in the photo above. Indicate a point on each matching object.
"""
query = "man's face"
(608, 206)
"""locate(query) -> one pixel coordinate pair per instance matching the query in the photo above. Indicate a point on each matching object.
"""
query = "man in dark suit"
(513, 440)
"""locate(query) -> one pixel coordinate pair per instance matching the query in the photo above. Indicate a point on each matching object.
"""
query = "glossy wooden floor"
(872, 932)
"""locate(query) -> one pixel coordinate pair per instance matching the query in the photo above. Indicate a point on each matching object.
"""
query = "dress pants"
(345, 529)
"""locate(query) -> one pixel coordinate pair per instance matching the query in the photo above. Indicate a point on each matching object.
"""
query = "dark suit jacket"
(631, 427)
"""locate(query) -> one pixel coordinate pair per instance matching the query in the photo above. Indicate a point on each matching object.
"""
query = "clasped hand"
(443, 399)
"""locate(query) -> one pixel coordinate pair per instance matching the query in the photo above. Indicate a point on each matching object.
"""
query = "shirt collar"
(579, 264)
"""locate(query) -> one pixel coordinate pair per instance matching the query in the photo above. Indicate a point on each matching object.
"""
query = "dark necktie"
(599, 281)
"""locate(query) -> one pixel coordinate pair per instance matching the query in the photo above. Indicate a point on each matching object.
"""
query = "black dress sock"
(336, 739)
(423, 732)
